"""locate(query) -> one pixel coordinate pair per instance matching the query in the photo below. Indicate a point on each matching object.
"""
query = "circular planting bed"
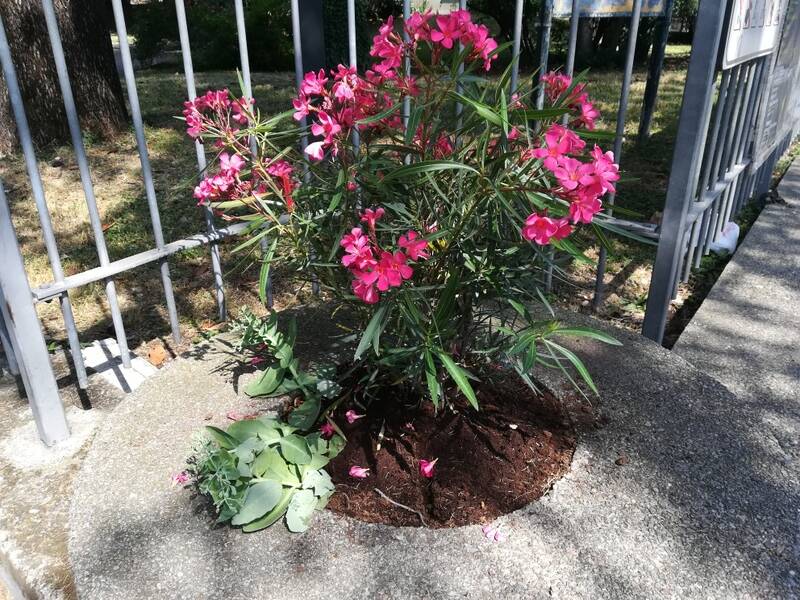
(488, 462)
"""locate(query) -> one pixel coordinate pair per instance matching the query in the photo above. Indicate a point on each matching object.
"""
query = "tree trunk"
(90, 63)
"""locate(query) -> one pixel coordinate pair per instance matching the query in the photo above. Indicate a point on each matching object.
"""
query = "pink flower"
(351, 186)
(389, 272)
(313, 83)
(571, 173)
(493, 534)
(370, 217)
(449, 30)
(181, 478)
(540, 228)
(230, 164)
(326, 126)
(301, 106)
(443, 148)
(564, 228)
(257, 360)
(606, 171)
(359, 250)
(365, 291)
(239, 109)
(315, 150)
(352, 416)
(584, 209)
(427, 467)
(415, 248)
(280, 168)
(359, 472)
(555, 84)
(326, 430)
(558, 141)
(587, 115)
(418, 26)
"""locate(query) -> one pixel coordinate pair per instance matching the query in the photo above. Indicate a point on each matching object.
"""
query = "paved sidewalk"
(746, 334)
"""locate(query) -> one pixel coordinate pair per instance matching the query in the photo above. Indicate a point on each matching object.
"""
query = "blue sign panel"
(608, 8)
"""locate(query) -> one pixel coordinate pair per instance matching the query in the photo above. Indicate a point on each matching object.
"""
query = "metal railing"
(20, 330)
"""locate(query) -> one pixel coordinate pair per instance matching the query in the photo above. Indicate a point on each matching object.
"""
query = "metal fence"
(21, 332)
(713, 174)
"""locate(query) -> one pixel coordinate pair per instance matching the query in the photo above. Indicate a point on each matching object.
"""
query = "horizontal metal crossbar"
(698, 208)
(52, 289)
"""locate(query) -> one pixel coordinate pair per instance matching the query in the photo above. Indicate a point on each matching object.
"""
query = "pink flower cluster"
(374, 269)
(557, 89)
(443, 32)
(336, 104)
(580, 182)
(213, 111)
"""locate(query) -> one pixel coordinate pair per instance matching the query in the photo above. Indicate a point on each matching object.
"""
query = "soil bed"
(490, 462)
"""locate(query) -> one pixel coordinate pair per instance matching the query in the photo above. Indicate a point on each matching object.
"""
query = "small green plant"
(262, 469)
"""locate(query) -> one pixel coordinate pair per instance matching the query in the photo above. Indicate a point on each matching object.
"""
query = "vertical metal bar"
(712, 144)
(188, 69)
(462, 5)
(298, 61)
(573, 37)
(40, 382)
(622, 113)
(734, 117)
(660, 37)
(751, 109)
(86, 178)
(726, 122)
(546, 24)
(407, 68)
(692, 128)
(352, 56)
(515, 51)
(9, 347)
(144, 159)
(18, 108)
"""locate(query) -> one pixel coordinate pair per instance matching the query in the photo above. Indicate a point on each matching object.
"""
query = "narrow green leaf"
(223, 439)
(588, 332)
(373, 330)
(459, 375)
(427, 166)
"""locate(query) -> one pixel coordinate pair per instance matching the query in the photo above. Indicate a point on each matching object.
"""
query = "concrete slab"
(103, 357)
(36, 487)
(705, 507)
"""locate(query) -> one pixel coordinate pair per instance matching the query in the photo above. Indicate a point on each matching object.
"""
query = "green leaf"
(373, 330)
(263, 278)
(335, 446)
(273, 515)
(576, 362)
(431, 378)
(295, 449)
(261, 497)
(319, 481)
(271, 465)
(541, 113)
(479, 107)
(427, 166)
(459, 375)
(223, 439)
(588, 332)
(301, 510)
(305, 415)
(267, 382)
(248, 428)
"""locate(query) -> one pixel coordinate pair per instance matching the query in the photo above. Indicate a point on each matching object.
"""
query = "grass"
(120, 194)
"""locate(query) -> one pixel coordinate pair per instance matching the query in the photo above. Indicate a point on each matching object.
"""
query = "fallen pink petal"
(359, 472)
(427, 467)
(327, 430)
(352, 416)
(181, 478)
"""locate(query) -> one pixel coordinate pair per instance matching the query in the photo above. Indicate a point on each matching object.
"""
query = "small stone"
(622, 459)
(57, 162)
(512, 426)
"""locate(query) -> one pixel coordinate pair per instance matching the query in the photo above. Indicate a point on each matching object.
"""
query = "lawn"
(120, 194)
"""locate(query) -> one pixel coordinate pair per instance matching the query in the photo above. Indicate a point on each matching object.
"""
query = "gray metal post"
(694, 117)
(9, 347)
(188, 69)
(622, 112)
(37, 189)
(352, 54)
(546, 24)
(144, 158)
(48, 412)
(661, 36)
(516, 46)
(86, 177)
(574, 19)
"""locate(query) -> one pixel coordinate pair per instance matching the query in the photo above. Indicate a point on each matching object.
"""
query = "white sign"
(754, 30)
